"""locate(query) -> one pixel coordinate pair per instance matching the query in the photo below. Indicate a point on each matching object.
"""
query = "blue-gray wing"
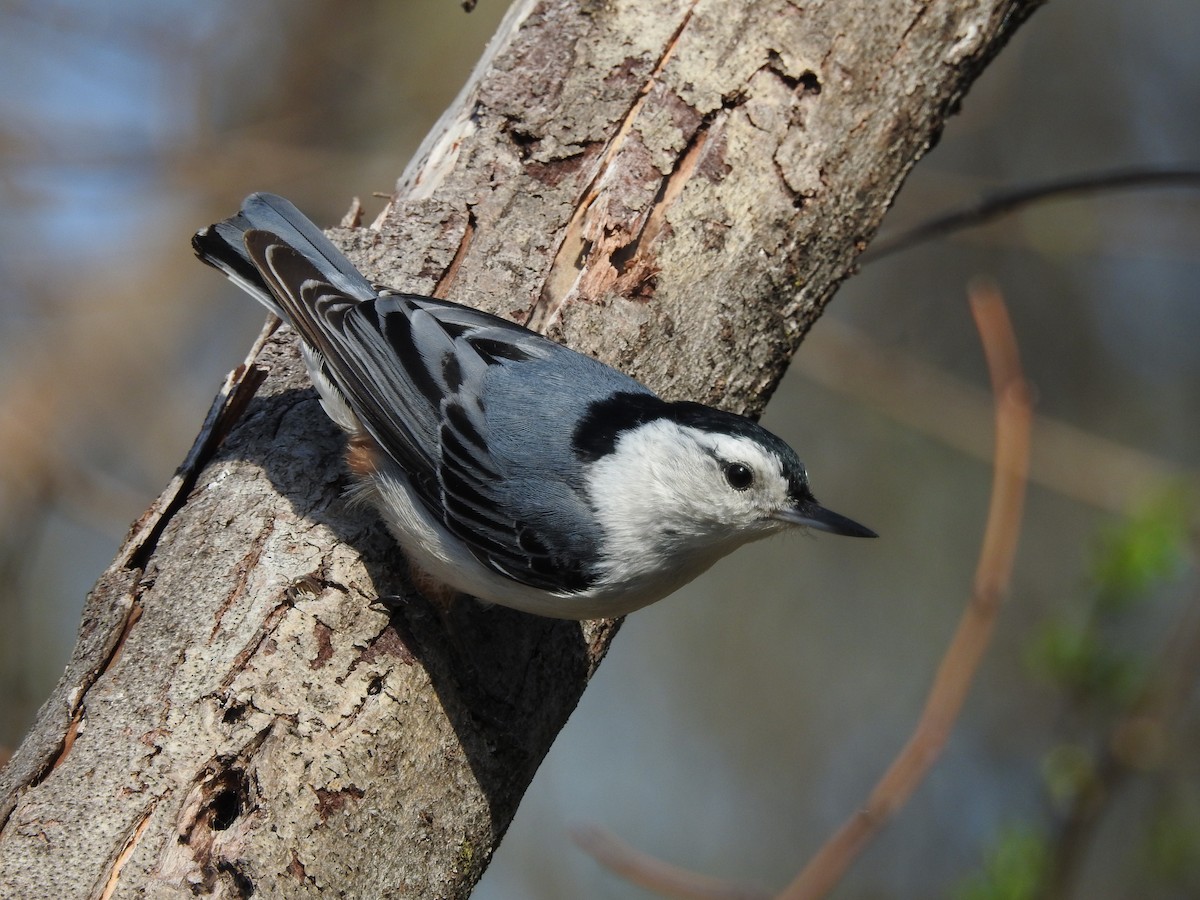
(415, 370)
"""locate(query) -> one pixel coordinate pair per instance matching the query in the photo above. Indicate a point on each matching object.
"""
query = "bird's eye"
(739, 476)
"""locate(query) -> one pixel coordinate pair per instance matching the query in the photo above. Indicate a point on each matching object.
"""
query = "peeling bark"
(257, 704)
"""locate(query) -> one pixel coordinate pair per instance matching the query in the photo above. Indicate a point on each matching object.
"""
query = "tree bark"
(675, 186)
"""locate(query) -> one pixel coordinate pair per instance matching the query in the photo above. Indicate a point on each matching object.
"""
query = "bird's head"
(682, 478)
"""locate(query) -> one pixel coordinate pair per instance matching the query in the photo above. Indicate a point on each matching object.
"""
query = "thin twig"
(653, 874)
(999, 204)
(958, 667)
(1011, 467)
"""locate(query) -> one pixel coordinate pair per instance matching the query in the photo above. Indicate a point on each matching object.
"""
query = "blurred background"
(736, 724)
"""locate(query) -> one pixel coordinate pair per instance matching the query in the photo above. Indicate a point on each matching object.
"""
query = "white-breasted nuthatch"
(508, 466)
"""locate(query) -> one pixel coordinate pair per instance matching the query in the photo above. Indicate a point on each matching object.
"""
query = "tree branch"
(1003, 203)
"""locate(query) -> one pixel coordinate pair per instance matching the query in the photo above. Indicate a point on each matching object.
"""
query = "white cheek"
(656, 505)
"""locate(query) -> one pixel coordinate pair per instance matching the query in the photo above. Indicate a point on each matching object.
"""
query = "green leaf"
(1134, 556)
(1015, 868)
(1077, 660)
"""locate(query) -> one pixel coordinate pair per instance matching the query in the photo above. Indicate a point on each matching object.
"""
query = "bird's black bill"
(816, 516)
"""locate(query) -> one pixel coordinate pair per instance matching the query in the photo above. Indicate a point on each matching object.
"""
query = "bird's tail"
(223, 246)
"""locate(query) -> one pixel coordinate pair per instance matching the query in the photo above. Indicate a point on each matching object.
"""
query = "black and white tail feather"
(485, 439)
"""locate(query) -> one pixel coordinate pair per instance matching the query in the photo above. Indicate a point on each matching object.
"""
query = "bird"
(507, 466)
